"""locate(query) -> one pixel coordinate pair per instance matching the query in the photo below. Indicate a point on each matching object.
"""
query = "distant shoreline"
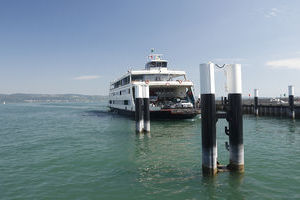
(50, 98)
(65, 98)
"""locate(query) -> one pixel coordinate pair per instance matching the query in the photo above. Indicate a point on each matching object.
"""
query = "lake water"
(80, 151)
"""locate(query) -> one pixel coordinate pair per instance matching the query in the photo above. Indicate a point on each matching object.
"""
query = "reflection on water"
(292, 126)
(210, 186)
(229, 180)
(143, 135)
(165, 157)
(235, 182)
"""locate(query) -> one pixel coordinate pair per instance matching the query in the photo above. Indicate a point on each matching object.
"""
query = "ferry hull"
(162, 114)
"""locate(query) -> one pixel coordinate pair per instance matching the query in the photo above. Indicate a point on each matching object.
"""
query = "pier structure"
(142, 112)
(146, 108)
(234, 117)
(273, 110)
(256, 102)
(208, 115)
(139, 118)
(233, 114)
(291, 101)
(285, 108)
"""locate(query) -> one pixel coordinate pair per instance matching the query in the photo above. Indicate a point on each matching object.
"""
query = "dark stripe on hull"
(165, 114)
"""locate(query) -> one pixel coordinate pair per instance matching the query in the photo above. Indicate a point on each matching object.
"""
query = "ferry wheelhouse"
(171, 93)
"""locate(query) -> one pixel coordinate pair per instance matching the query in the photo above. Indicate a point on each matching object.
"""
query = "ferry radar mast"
(155, 61)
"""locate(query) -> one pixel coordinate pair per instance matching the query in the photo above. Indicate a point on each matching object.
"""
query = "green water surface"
(79, 151)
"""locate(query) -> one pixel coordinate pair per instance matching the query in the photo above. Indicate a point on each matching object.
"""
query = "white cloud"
(272, 13)
(90, 77)
(291, 63)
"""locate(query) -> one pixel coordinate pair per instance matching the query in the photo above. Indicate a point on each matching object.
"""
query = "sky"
(80, 46)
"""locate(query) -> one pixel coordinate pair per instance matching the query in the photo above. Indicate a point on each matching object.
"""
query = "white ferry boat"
(171, 93)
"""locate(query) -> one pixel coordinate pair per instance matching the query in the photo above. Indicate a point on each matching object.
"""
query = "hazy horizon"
(217, 96)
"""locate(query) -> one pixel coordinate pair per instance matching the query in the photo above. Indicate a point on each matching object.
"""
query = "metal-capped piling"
(256, 102)
(235, 118)
(139, 118)
(291, 101)
(146, 109)
(142, 111)
(234, 113)
(208, 115)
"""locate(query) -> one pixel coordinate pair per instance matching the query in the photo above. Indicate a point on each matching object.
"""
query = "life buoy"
(147, 81)
(167, 83)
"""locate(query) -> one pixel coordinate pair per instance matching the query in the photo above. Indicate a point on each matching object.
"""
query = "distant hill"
(39, 98)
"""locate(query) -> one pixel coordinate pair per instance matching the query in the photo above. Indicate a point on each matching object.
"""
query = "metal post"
(208, 115)
(256, 102)
(291, 101)
(139, 108)
(146, 109)
(235, 117)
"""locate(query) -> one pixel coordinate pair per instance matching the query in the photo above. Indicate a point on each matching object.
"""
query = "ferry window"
(110, 102)
(152, 64)
(164, 64)
(117, 84)
(137, 77)
(124, 81)
(125, 102)
(128, 91)
(158, 64)
(120, 93)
